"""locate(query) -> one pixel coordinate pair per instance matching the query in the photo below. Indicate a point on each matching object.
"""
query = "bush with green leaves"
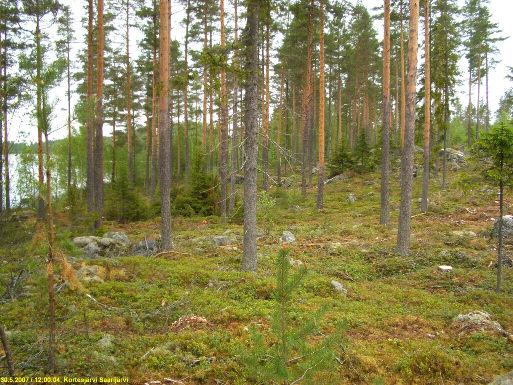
(288, 355)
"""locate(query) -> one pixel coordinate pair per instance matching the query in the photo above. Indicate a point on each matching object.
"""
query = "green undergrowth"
(397, 311)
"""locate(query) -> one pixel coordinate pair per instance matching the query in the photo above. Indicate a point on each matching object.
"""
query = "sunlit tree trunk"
(164, 129)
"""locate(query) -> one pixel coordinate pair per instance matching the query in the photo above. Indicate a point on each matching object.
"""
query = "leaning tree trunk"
(249, 259)
(427, 113)
(385, 155)
(404, 231)
(164, 129)
(320, 178)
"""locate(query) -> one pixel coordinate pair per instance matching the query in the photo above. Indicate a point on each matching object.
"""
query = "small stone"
(146, 247)
(477, 321)
(296, 262)
(445, 268)
(339, 287)
(91, 250)
(85, 240)
(91, 273)
(351, 198)
(288, 237)
(106, 242)
(118, 236)
(505, 379)
(464, 234)
(106, 342)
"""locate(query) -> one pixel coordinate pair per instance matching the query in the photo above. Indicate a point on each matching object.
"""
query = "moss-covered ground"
(397, 312)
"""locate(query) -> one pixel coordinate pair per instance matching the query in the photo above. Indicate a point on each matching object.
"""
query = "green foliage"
(340, 162)
(123, 202)
(288, 354)
(365, 157)
(495, 151)
(266, 205)
(200, 196)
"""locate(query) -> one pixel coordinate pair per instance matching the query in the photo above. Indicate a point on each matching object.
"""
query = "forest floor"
(398, 311)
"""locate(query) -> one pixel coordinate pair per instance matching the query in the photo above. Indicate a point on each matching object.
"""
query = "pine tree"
(251, 35)
(385, 158)
(404, 231)
(427, 106)
(320, 186)
(164, 129)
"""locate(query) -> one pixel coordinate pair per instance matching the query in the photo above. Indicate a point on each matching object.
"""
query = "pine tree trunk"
(90, 112)
(154, 123)
(52, 347)
(340, 132)
(223, 167)
(427, 110)
(113, 172)
(404, 231)
(403, 82)
(265, 117)
(68, 94)
(40, 123)
(306, 104)
(164, 129)
(478, 103)
(279, 130)
(129, 129)
(487, 122)
(98, 144)
(235, 133)
(469, 117)
(249, 260)
(385, 155)
(322, 117)
(2, 63)
(187, 154)
(501, 236)
(205, 81)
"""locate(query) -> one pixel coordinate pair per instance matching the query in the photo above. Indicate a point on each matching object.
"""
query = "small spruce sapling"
(495, 151)
(287, 355)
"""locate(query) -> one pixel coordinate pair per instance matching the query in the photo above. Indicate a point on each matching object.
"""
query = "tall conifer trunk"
(322, 117)
(385, 156)
(427, 109)
(404, 231)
